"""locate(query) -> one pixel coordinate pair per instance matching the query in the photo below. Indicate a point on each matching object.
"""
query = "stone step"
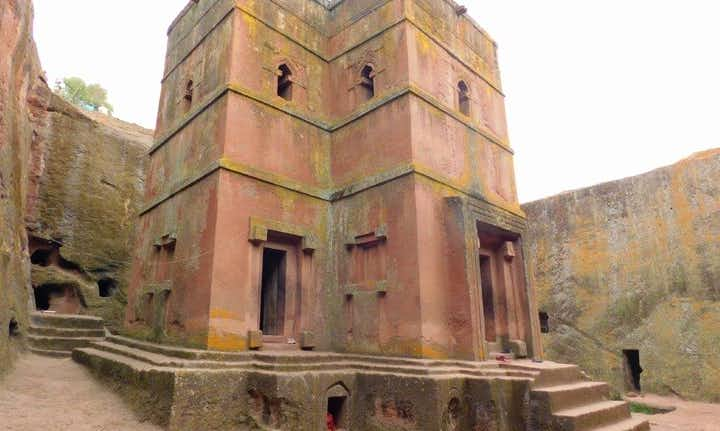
(97, 360)
(551, 374)
(66, 321)
(302, 364)
(178, 352)
(160, 360)
(51, 353)
(60, 343)
(49, 331)
(572, 395)
(495, 355)
(276, 357)
(593, 416)
(632, 424)
(282, 347)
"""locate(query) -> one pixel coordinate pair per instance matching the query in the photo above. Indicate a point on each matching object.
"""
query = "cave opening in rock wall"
(41, 257)
(61, 298)
(107, 287)
(632, 369)
(13, 328)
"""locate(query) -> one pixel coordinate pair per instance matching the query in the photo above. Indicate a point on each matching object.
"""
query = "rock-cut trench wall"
(19, 73)
(632, 265)
(70, 188)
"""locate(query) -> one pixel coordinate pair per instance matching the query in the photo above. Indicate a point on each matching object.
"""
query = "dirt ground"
(58, 394)
(688, 416)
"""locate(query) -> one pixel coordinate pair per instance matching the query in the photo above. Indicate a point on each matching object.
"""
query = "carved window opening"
(488, 295)
(463, 98)
(285, 83)
(632, 368)
(107, 287)
(367, 82)
(13, 328)
(272, 296)
(188, 96)
(544, 323)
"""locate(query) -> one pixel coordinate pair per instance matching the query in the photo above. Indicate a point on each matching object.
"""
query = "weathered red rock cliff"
(19, 73)
(70, 186)
(633, 265)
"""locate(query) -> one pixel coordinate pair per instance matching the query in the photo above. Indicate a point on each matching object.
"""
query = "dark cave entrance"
(632, 368)
(41, 257)
(60, 298)
(13, 328)
(107, 287)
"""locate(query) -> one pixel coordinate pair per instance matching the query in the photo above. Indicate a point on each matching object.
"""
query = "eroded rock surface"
(86, 181)
(19, 72)
(633, 265)
(70, 185)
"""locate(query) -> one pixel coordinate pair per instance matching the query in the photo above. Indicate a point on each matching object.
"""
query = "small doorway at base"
(632, 369)
(336, 413)
(272, 297)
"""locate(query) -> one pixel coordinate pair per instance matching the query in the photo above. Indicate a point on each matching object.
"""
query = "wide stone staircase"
(563, 399)
(57, 335)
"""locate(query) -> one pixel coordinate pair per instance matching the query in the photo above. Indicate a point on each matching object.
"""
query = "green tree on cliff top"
(90, 97)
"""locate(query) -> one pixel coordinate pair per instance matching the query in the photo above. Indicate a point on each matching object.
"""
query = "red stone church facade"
(335, 177)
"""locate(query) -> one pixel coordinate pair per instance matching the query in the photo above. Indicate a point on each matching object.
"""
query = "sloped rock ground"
(58, 394)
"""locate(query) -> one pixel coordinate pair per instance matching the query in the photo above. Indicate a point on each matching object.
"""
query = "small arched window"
(367, 82)
(463, 98)
(188, 96)
(284, 84)
(544, 322)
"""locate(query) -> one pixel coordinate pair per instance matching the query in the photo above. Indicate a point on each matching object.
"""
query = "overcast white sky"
(596, 89)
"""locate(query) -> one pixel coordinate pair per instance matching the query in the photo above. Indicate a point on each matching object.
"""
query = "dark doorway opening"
(44, 293)
(544, 322)
(13, 328)
(41, 257)
(486, 285)
(107, 287)
(272, 297)
(631, 360)
(336, 413)
(62, 298)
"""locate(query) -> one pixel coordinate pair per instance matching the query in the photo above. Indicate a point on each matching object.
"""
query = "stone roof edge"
(182, 13)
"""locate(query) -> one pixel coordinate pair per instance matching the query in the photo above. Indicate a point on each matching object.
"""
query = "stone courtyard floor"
(57, 394)
(688, 416)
